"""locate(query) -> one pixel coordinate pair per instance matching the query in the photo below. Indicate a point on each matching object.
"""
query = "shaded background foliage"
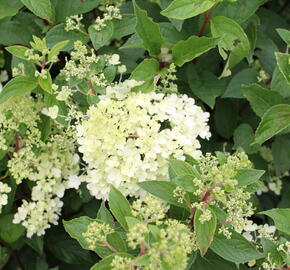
(236, 102)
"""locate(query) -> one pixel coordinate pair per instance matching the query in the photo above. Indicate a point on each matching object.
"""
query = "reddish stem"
(106, 244)
(207, 196)
(191, 222)
(268, 82)
(142, 250)
(17, 142)
(223, 223)
(205, 21)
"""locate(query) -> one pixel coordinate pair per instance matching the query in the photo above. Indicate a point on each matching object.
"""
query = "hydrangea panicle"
(128, 141)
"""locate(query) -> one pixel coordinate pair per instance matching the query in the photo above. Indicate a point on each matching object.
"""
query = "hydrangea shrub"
(139, 135)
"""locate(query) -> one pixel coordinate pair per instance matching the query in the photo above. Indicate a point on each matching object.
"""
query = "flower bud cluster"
(217, 186)
(97, 234)
(111, 12)
(73, 23)
(166, 81)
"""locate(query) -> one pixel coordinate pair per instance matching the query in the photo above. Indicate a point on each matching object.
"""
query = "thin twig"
(205, 21)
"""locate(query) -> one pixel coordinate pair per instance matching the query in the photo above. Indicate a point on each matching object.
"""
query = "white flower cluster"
(252, 231)
(53, 171)
(4, 190)
(73, 23)
(111, 12)
(129, 141)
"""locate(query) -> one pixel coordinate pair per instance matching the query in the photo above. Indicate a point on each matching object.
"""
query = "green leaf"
(9, 231)
(9, 8)
(270, 248)
(204, 231)
(124, 27)
(275, 120)
(280, 84)
(212, 261)
(232, 38)
(236, 249)
(67, 250)
(261, 99)
(46, 84)
(205, 85)
(182, 174)
(102, 37)
(245, 76)
(266, 53)
(18, 51)
(170, 35)
(105, 215)
(225, 118)
(119, 206)
(161, 189)
(54, 51)
(281, 154)
(248, 176)
(179, 168)
(244, 137)
(36, 242)
(58, 34)
(146, 71)
(281, 218)
(240, 10)
(18, 33)
(77, 226)
(186, 50)
(176, 23)
(184, 9)
(41, 8)
(66, 8)
(285, 35)
(283, 61)
(105, 264)
(16, 87)
(148, 31)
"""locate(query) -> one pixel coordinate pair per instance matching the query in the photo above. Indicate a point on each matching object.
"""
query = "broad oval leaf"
(10, 232)
(275, 120)
(119, 206)
(281, 218)
(145, 72)
(236, 249)
(16, 87)
(18, 51)
(41, 8)
(148, 31)
(233, 38)
(101, 37)
(261, 99)
(283, 61)
(204, 231)
(184, 9)
(248, 176)
(186, 50)
(163, 190)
